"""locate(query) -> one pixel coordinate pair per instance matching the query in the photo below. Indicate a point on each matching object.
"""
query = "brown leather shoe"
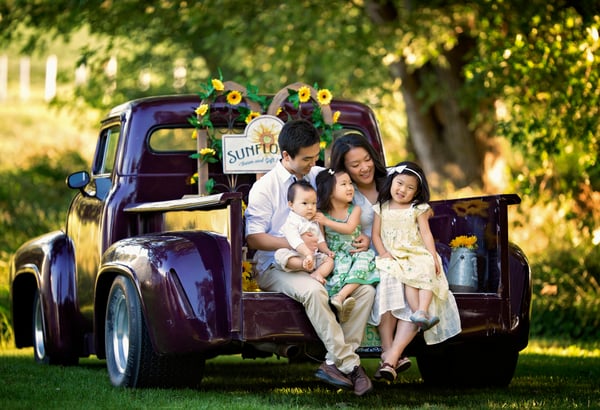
(332, 375)
(360, 380)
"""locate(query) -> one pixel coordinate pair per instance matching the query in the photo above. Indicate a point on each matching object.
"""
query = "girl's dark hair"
(422, 195)
(325, 185)
(350, 140)
(299, 184)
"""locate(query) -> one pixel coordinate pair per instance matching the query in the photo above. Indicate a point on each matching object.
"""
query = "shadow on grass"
(541, 381)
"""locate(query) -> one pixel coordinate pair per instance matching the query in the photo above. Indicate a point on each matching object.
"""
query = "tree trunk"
(439, 132)
(449, 147)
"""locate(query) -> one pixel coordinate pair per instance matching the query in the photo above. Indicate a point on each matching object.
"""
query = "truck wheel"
(481, 365)
(38, 336)
(130, 357)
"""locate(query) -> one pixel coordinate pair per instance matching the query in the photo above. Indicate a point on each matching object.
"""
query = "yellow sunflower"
(234, 97)
(464, 241)
(336, 116)
(251, 116)
(195, 134)
(324, 96)
(303, 94)
(207, 151)
(202, 109)
(217, 84)
(193, 179)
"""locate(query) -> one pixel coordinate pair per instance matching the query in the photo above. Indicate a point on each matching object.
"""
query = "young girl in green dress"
(340, 221)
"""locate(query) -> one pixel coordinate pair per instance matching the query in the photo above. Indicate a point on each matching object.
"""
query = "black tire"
(480, 365)
(130, 358)
(39, 338)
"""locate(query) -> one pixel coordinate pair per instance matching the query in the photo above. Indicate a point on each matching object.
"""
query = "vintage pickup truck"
(149, 274)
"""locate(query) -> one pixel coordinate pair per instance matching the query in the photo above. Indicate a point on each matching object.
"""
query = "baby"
(302, 200)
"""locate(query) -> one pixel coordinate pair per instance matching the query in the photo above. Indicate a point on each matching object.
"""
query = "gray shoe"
(360, 380)
(332, 375)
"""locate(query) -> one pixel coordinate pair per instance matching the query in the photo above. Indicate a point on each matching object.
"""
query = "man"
(266, 213)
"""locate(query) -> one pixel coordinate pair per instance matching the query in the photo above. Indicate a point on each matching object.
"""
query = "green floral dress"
(348, 268)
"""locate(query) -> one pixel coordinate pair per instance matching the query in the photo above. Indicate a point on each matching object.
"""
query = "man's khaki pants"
(341, 341)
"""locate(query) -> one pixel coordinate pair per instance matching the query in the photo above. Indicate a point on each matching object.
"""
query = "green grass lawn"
(549, 377)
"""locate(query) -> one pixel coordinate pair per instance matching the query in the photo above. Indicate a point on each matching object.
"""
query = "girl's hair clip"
(399, 169)
(331, 171)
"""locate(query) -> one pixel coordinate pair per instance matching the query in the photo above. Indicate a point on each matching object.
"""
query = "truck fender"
(46, 263)
(183, 283)
(521, 290)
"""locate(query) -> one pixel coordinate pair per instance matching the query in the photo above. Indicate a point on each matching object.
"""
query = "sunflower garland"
(248, 278)
(215, 88)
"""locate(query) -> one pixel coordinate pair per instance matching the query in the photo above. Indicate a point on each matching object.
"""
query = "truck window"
(165, 140)
(107, 150)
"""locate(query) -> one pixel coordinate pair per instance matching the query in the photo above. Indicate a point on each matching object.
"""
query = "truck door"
(84, 223)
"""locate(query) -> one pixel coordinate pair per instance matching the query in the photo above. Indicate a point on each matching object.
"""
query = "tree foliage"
(545, 78)
(470, 71)
(500, 94)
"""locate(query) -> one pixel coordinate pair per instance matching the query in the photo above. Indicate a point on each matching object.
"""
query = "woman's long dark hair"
(422, 195)
(348, 141)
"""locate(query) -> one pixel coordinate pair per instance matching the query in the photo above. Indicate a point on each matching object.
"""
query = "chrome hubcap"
(120, 333)
(38, 332)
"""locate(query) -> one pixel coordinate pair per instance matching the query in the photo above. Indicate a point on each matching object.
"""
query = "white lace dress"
(412, 265)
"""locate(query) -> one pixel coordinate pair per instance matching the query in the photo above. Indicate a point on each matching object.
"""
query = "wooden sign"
(255, 151)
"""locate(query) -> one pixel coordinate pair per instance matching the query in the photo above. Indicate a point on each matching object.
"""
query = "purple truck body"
(144, 277)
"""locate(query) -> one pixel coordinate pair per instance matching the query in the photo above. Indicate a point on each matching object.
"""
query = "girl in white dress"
(407, 255)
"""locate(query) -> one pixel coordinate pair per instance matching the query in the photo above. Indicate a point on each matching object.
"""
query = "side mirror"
(78, 180)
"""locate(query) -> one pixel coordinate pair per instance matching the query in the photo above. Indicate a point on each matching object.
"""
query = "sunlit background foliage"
(489, 96)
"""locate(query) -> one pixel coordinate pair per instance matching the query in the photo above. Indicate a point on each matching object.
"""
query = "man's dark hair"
(297, 134)
(300, 184)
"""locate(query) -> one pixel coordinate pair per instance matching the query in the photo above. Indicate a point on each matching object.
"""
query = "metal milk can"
(462, 270)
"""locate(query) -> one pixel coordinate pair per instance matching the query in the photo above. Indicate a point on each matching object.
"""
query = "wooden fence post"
(24, 67)
(3, 77)
(80, 75)
(51, 70)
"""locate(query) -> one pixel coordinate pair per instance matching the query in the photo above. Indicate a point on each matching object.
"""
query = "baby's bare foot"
(307, 264)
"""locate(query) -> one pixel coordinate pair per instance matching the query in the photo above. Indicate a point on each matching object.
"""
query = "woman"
(353, 153)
